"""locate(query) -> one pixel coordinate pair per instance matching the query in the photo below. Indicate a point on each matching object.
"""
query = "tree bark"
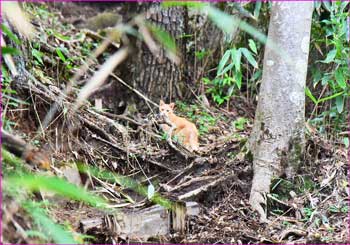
(158, 77)
(277, 139)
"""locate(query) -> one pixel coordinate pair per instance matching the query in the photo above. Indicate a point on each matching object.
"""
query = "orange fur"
(184, 130)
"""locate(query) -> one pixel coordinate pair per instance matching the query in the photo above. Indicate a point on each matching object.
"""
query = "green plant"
(336, 209)
(19, 184)
(67, 61)
(229, 73)
(331, 74)
(240, 123)
(308, 213)
(9, 100)
(200, 117)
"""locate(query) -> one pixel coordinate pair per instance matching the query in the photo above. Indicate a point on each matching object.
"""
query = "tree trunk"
(277, 140)
(158, 77)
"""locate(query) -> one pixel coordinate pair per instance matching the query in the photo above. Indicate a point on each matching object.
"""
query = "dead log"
(27, 152)
(141, 224)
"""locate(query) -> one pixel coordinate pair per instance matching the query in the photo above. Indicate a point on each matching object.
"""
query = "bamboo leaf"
(163, 37)
(327, 5)
(339, 77)
(238, 76)
(249, 57)
(236, 56)
(252, 46)
(226, 69)
(330, 56)
(55, 185)
(330, 97)
(225, 22)
(339, 102)
(310, 95)
(223, 62)
(257, 9)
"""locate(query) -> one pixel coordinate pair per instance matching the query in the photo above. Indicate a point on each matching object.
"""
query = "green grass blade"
(55, 185)
(58, 234)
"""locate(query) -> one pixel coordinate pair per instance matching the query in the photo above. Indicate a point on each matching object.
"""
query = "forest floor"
(312, 208)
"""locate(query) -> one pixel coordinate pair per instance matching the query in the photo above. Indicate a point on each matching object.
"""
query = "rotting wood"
(143, 223)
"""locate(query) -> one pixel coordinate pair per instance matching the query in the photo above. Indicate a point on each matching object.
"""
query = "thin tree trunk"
(277, 140)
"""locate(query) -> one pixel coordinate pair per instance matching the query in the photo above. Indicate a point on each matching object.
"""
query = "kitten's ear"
(172, 105)
(161, 102)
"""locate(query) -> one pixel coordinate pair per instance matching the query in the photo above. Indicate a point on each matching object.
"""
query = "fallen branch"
(201, 189)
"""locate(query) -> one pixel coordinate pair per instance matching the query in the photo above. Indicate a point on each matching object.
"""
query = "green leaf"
(62, 37)
(57, 232)
(236, 58)
(229, 23)
(163, 37)
(256, 75)
(346, 142)
(225, 22)
(61, 55)
(339, 102)
(330, 56)
(331, 97)
(343, 5)
(238, 76)
(206, 80)
(38, 55)
(317, 4)
(239, 123)
(55, 185)
(249, 57)
(9, 50)
(252, 46)
(339, 77)
(19, 101)
(227, 68)
(325, 80)
(201, 54)
(150, 191)
(327, 5)
(257, 9)
(8, 91)
(41, 235)
(10, 34)
(309, 94)
(230, 91)
(223, 62)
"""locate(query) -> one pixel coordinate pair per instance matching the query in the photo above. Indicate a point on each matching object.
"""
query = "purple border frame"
(1, 20)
